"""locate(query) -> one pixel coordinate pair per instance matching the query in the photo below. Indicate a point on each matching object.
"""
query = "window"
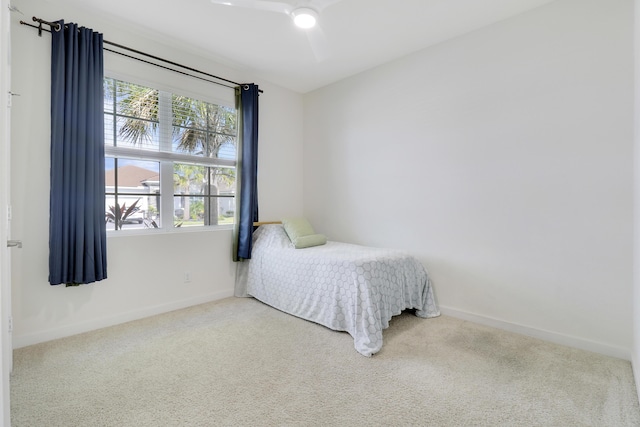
(170, 160)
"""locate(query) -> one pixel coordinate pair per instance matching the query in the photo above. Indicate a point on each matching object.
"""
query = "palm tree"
(183, 177)
(202, 128)
(199, 128)
(138, 107)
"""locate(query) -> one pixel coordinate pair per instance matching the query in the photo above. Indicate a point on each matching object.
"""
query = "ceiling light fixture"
(304, 17)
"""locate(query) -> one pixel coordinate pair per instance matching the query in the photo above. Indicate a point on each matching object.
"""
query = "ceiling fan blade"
(268, 5)
(315, 36)
(319, 5)
(318, 42)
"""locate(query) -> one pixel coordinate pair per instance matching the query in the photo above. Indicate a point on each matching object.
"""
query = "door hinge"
(10, 324)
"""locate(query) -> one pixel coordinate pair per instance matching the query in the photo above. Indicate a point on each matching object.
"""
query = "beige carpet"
(237, 362)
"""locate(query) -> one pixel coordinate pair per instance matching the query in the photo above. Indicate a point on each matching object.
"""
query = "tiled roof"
(130, 176)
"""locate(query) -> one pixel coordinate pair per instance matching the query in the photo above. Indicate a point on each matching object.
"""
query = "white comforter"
(342, 286)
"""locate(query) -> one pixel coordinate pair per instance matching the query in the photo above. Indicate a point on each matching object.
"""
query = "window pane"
(135, 133)
(188, 112)
(137, 110)
(222, 146)
(109, 95)
(226, 121)
(109, 130)
(188, 179)
(190, 141)
(189, 211)
(201, 210)
(137, 101)
(226, 208)
(227, 148)
(201, 128)
(224, 180)
(189, 125)
(132, 193)
(203, 195)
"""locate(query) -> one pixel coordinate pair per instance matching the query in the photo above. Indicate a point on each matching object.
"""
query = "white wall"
(145, 272)
(503, 160)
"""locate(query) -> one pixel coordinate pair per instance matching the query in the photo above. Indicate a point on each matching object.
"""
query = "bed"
(342, 286)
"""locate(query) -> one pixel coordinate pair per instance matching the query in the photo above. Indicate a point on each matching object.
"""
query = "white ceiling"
(359, 34)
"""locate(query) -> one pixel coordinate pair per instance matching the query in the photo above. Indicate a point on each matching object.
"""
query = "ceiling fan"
(305, 14)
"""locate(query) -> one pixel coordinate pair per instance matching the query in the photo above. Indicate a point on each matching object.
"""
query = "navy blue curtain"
(77, 229)
(248, 191)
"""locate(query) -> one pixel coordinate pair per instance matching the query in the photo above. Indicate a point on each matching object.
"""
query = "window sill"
(160, 231)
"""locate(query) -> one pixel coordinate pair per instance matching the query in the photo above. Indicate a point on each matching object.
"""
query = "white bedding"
(344, 287)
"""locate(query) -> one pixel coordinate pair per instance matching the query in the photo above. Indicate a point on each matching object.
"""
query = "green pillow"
(310, 240)
(301, 233)
(297, 227)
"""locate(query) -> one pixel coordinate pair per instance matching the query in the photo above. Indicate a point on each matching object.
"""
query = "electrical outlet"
(187, 277)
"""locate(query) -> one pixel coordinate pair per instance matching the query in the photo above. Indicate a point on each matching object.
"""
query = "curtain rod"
(56, 26)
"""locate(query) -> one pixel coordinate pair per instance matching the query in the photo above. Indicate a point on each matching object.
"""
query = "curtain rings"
(54, 26)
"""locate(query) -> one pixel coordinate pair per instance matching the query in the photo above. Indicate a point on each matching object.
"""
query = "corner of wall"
(635, 350)
(550, 336)
(635, 367)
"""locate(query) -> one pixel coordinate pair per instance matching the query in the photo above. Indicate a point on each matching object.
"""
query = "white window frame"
(166, 158)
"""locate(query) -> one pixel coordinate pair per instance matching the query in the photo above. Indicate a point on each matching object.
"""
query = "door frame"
(6, 348)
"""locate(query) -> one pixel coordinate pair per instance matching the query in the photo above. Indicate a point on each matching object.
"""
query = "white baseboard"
(554, 337)
(92, 325)
(635, 366)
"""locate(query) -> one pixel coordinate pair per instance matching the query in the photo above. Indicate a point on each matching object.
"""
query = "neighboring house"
(131, 176)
